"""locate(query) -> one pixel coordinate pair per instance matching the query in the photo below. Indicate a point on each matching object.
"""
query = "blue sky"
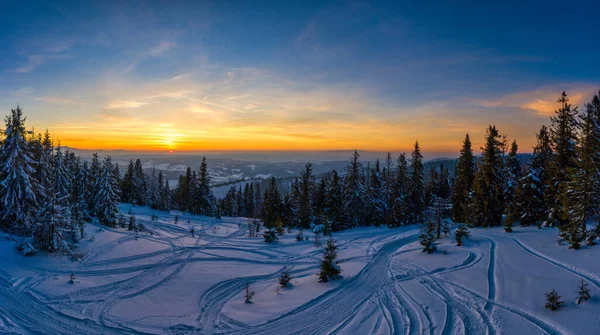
(294, 75)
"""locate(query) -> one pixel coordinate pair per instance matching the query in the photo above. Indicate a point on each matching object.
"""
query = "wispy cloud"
(161, 48)
(119, 104)
(59, 100)
(543, 101)
(33, 62)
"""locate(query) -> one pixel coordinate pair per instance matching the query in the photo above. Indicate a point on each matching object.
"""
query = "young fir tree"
(563, 135)
(593, 235)
(427, 237)
(354, 190)
(486, 209)
(376, 199)
(330, 270)
(285, 277)
(464, 174)
(18, 185)
(583, 292)
(461, 232)
(416, 187)
(398, 212)
(249, 294)
(553, 301)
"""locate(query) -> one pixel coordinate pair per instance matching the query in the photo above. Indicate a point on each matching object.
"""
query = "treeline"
(49, 194)
(244, 202)
(192, 193)
(394, 194)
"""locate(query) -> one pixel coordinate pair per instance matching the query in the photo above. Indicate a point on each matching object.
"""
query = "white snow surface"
(175, 283)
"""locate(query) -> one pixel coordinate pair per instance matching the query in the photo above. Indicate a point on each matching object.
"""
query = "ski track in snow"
(577, 272)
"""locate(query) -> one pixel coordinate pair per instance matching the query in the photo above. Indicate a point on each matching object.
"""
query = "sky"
(294, 75)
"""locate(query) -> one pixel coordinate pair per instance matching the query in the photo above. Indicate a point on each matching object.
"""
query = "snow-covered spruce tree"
(335, 203)
(285, 277)
(464, 173)
(398, 213)
(563, 135)
(270, 235)
(583, 292)
(427, 237)
(79, 208)
(330, 270)
(107, 199)
(461, 232)
(319, 202)
(416, 187)
(152, 191)
(94, 176)
(19, 203)
(388, 179)
(439, 192)
(139, 183)
(305, 214)
(271, 209)
(583, 185)
(127, 191)
(513, 176)
(553, 301)
(376, 200)
(593, 235)
(354, 191)
(529, 197)
(486, 205)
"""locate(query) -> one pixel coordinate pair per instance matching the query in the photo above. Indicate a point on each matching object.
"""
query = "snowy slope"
(171, 282)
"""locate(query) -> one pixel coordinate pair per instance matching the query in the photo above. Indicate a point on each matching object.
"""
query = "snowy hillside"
(173, 282)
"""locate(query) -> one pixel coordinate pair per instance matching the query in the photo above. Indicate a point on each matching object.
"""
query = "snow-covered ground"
(175, 283)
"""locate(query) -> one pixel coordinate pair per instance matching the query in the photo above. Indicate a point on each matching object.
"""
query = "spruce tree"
(563, 135)
(488, 186)
(583, 291)
(513, 173)
(398, 212)
(553, 301)
(336, 214)
(16, 168)
(583, 199)
(107, 198)
(416, 187)
(530, 207)
(319, 202)
(464, 174)
(461, 232)
(285, 277)
(376, 198)
(305, 214)
(354, 190)
(330, 270)
(427, 237)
